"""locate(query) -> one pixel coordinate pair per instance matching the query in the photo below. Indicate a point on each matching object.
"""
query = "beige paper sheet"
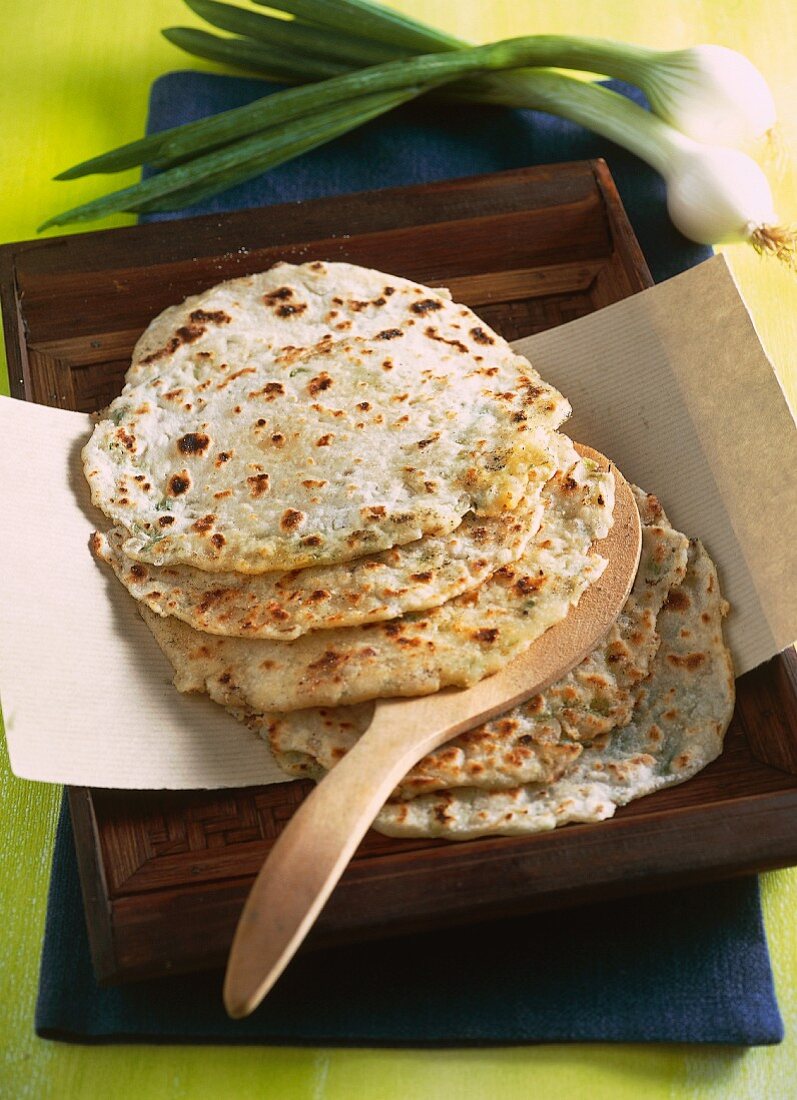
(86, 694)
(672, 383)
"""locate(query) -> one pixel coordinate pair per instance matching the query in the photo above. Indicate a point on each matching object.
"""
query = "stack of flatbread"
(328, 485)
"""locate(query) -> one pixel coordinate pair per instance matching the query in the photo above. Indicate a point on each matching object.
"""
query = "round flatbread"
(307, 416)
(458, 643)
(284, 605)
(536, 741)
(304, 303)
(678, 725)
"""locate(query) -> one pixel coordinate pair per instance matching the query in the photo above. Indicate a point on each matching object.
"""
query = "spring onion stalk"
(369, 21)
(631, 63)
(715, 195)
(243, 53)
(170, 146)
(238, 162)
(302, 38)
(710, 93)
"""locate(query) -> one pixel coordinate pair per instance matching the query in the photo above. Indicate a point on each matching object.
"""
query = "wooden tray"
(164, 874)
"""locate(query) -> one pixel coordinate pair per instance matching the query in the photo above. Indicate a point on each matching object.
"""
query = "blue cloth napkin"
(690, 966)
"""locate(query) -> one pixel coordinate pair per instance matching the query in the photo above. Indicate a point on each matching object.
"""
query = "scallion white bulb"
(717, 195)
(710, 93)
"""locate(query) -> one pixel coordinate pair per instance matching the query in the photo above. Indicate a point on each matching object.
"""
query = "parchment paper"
(673, 384)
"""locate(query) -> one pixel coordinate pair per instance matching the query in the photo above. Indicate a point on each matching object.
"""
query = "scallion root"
(779, 241)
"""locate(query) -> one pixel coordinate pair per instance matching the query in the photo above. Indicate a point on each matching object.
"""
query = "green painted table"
(76, 77)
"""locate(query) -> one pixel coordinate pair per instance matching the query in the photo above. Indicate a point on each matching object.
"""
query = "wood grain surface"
(540, 251)
(75, 83)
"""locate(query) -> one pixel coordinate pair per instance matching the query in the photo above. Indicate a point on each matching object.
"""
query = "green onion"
(236, 163)
(714, 195)
(175, 144)
(710, 93)
(197, 137)
(324, 42)
(370, 21)
(278, 64)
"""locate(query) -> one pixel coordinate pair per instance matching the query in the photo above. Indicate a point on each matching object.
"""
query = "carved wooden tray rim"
(162, 887)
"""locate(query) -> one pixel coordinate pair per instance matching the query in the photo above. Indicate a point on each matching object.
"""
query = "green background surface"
(76, 77)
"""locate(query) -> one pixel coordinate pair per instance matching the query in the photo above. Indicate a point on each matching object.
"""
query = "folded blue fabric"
(690, 966)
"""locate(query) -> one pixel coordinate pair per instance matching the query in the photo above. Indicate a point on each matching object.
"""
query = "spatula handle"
(311, 854)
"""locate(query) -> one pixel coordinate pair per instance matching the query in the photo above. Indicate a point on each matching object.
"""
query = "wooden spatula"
(312, 851)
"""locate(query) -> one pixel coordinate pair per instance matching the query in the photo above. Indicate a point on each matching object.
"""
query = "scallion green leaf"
(243, 53)
(171, 146)
(236, 163)
(370, 21)
(304, 38)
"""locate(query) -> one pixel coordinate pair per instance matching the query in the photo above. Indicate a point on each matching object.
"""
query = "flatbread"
(284, 605)
(338, 298)
(458, 643)
(307, 416)
(534, 742)
(678, 724)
